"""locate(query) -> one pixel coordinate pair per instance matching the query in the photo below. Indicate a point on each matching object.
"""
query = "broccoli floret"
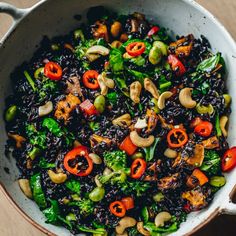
(86, 206)
(137, 187)
(116, 160)
(211, 163)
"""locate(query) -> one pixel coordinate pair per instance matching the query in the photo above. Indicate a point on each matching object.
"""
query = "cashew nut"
(25, 187)
(45, 109)
(223, 122)
(116, 44)
(57, 178)
(98, 49)
(141, 123)
(124, 120)
(97, 182)
(161, 218)
(95, 158)
(124, 234)
(107, 171)
(141, 230)
(135, 91)
(103, 87)
(141, 142)
(105, 83)
(125, 223)
(151, 88)
(162, 99)
(170, 153)
(185, 98)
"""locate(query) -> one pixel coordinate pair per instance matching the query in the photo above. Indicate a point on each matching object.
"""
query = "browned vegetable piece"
(152, 119)
(124, 37)
(18, 138)
(211, 143)
(116, 29)
(73, 86)
(95, 139)
(198, 157)
(196, 198)
(170, 182)
(179, 161)
(164, 124)
(152, 170)
(183, 46)
(100, 30)
(66, 106)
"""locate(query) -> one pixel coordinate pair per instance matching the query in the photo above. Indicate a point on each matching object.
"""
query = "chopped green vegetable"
(158, 231)
(113, 178)
(52, 126)
(30, 80)
(121, 84)
(139, 61)
(112, 98)
(94, 231)
(35, 152)
(10, 113)
(38, 194)
(78, 34)
(73, 185)
(52, 212)
(94, 126)
(217, 125)
(45, 165)
(145, 214)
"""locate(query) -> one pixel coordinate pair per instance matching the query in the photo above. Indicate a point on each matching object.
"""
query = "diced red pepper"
(128, 146)
(153, 31)
(88, 108)
(176, 65)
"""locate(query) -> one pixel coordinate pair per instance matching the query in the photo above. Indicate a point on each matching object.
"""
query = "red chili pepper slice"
(153, 31)
(53, 71)
(117, 208)
(203, 129)
(90, 79)
(128, 202)
(177, 138)
(128, 146)
(176, 65)
(138, 167)
(135, 49)
(88, 108)
(229, 159)
(78, 162)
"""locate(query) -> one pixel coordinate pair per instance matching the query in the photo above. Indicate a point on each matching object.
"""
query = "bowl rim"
(26, 13)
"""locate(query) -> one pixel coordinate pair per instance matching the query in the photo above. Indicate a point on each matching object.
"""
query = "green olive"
(154, 105)
(204, 109)
(158, 197)
(162, 46)
(55, 47)
(97, 194)
(11, 113)
(137, 155)
(38, 74)
(227, 99)
(99, 103)
(155, 55)
(217, 181)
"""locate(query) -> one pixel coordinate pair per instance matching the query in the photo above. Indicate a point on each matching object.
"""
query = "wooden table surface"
(12, 224)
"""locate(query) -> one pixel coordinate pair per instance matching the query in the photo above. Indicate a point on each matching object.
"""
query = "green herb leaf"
(112, 98)
(45, 165)
(149, 151)
(94, 126)
(116, 60)
(209, 64)
(52, 126)
(52, 212)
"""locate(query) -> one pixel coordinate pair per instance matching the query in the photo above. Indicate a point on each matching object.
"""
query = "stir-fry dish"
(119, 129)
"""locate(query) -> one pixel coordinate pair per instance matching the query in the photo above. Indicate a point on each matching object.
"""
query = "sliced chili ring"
(138, 167)
(78, 162)
(204, 128)
(229, 159)
(53, 71)
(90, 79)
(117, 208)
(177, 138)
(135, 49)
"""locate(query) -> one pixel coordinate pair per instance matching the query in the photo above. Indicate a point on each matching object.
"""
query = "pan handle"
(228, 207)
(16, 13)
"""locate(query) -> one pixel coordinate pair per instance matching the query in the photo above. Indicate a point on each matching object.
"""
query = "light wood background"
(12, 223)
